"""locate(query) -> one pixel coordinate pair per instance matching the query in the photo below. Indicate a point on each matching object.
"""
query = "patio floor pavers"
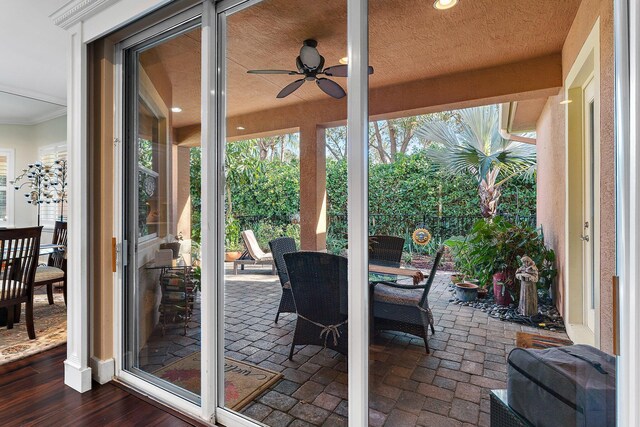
(449, 387)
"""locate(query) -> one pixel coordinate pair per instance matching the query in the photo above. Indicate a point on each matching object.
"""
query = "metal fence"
(440, 227)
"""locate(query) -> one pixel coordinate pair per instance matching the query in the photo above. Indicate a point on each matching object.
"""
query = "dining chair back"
(319, 286)
(19, 248)
(279, 247)
(386, 248)
(56, 269)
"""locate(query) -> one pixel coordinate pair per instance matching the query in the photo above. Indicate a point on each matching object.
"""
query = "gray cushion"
(46, 273)
(393, 295)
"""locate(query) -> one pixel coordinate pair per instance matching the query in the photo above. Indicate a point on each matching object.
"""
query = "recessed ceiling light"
(566, 101)
(344, 61)
(444, 4)
(176, 109)
(240, 128)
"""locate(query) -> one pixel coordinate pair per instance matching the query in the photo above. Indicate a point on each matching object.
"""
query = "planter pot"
(175, 248)
(466, 291)
(232, 256)
(482, 293)
(500, 293)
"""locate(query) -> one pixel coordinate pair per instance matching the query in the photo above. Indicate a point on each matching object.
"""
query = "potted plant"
(466, 288)
(232, 245)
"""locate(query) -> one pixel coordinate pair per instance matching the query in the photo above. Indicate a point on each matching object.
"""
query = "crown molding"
(59, 112)
(77, 10)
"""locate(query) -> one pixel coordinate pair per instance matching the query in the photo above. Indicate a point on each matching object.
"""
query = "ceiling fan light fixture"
(309, 55)
(344, 60)
(444, 4)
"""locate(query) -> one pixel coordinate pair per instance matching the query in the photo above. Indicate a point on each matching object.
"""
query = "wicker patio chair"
(19, 249)
(405, 308)
(319, 286)
(56, 269)
(386, 248)
(279, 247)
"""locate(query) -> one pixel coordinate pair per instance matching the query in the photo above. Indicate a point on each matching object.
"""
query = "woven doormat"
(535, 341)
(243, 382)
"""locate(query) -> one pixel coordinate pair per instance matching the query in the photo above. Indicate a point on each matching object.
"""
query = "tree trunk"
(528, 299)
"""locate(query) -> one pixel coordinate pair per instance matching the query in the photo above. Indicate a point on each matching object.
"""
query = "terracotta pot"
(466, 291)
(232, 255)
(502, 295)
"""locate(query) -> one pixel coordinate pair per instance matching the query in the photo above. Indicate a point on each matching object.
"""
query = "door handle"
(584, 238)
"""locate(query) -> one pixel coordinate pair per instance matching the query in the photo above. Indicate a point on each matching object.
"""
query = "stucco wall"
(551, 159)
(551, 188)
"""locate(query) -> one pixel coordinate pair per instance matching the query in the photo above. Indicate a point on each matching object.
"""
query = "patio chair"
(55, 271)
(319, 287)
(386, 248)
(405, 308)
(19, 249)
(279, 247)
(253, 254)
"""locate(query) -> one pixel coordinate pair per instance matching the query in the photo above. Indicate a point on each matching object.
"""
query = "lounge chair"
(253, 255)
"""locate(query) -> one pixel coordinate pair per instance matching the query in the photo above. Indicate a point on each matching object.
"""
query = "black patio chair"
(279, 247)
(405, 308)
(386, 248)
(19, 248)
(319, 286)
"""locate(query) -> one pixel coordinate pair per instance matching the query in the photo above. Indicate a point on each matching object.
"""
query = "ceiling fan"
(310, 65)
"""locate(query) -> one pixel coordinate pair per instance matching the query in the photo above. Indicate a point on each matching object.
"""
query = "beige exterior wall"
(551, 159)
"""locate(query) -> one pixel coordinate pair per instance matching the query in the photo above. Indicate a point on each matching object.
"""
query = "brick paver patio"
(449, 387)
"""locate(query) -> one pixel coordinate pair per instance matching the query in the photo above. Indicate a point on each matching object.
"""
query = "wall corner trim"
(77, 10)
(102, 371)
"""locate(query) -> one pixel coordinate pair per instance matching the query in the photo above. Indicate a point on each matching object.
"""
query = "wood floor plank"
(32, 393)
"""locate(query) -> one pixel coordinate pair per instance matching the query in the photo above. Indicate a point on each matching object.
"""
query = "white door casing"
(590, 140)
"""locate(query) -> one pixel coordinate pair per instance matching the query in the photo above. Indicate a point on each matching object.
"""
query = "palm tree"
(472, 144)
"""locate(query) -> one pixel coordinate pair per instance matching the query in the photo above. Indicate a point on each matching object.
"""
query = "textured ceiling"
(409, 40)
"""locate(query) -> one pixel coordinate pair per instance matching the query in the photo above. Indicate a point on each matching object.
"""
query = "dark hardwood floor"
(32, 393)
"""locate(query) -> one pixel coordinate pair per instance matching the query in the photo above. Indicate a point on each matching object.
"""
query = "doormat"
(535, 341)
(243, 382)
(50, 323)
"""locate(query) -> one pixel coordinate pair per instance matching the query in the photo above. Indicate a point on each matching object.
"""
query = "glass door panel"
(162, 210)
(285, 325)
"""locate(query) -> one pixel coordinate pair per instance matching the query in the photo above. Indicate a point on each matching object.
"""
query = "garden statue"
(528, 276)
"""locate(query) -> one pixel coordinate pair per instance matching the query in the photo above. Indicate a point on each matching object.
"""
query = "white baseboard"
(76, 377)
(102, 370)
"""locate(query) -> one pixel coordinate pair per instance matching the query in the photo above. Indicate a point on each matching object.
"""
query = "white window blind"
(50, 212)
(6, 191)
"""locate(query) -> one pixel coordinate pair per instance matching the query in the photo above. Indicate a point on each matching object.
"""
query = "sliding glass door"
(161, 152)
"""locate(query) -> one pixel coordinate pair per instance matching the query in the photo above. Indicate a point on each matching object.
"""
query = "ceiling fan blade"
(292, 73)
(341, 71)
(290, 88)
(331, 88)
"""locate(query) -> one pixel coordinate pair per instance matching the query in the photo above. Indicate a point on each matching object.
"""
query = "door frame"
(203, 410)
(585, 69)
